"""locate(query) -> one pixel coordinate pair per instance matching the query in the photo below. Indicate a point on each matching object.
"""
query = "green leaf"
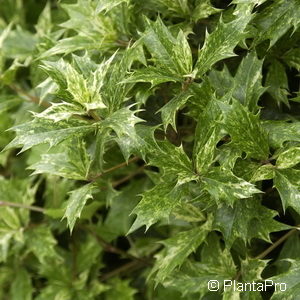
(8, 103)
(120, 289)
(76, 202)
(72, 163)
(41, 131)
(248, 80)
(215, 264)
(288, 158)
(41, 242)
(289, 282)
(21, 288)
(274, 21)
(123, 122)
(287, 182)
(119, 219)
(171, 54)
(281, 131)
(61, 111)
(292, 58)
(156, 204)
(106, 5)
(72, 44)
(203, 9)
(177, 249)
(225, 187)
(19, 44)
(207, 135)
(176, 7)
(277, 82)
(168, 111)
(247, 219)
(265, 172)
(78, 86)
(153, 75)
(173, 162)
(188, 212)
(220, 43)
(245, 130)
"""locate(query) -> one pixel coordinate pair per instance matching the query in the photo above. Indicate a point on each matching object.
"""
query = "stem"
(128, 177)
(115, 168)
(277, 243)
(94, 116)
(272, 247)
(20, 205)
(28, 96)
(126, 267)
(112, 249)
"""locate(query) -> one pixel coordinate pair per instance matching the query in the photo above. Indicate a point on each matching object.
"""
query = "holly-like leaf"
(76, 202)
(8, 103)
(288, 158)
(21, 287)
(41, 131)
(168, 111)
(81, 87)
(61, 111)
(123, 122)
(171, 54)
(203, 9)
(220, 43)
(207, 136)
(278, 83)
(280, 132)
(292, 58)
(247, 219)
(177, 248)
(245, 130)
(265, 172)
(157, 204)
(215, 264)
(288, 281)
(152, 75)
(225, 187)
(72, 163)
(41, 242)
(287, 182)
(173, 162)
(248, 81)
(106, 5)
(274, 21)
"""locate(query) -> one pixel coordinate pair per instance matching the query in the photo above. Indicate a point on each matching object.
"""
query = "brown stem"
(112, 249)
(94, 116)
(20, 205)
(128, 177)
(277, 243)
(28, 96)
(272, 247)
(131, 265)
(115, 168)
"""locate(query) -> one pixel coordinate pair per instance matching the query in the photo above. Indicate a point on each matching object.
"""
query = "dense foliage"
(149, 147)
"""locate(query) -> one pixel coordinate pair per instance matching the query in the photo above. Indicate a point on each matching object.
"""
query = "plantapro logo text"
(214, 285)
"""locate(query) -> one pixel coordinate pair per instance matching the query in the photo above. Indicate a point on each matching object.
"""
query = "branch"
(128, 177)
(94, 116)
(277, 243)
(124, 268)
(112, 249)
(124, 164)
(20, 205)
(28, 96)
(272, 247)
